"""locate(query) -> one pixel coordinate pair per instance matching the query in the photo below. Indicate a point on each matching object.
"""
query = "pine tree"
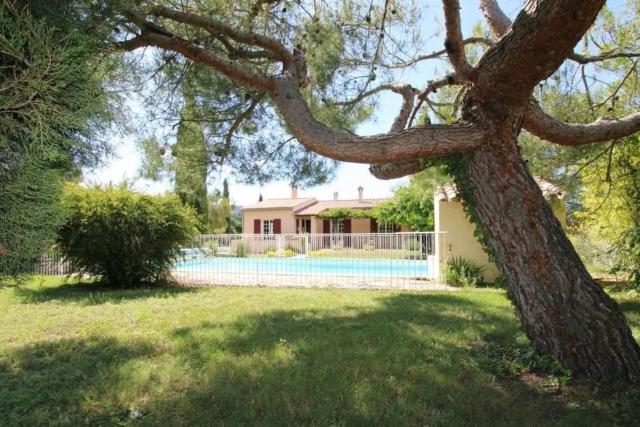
(190, 162)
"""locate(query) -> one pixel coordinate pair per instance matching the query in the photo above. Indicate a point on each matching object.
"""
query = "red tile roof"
(282, 203)
(449, 192)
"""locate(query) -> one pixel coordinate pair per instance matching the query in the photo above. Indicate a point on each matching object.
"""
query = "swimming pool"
(415, 269)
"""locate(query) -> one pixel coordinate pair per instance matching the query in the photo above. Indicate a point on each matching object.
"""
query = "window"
(267, 226)
(304, 226)
(337, 226)
(386, 227)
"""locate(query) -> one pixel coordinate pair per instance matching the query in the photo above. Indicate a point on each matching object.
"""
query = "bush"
(124, 237)
(213, 248)
(242, 251)
(628, 251)
(460, 272)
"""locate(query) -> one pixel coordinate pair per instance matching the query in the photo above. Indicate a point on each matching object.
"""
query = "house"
(300, 215)
(459, 240)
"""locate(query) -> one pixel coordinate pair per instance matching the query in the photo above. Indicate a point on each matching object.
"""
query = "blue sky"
(126, 161)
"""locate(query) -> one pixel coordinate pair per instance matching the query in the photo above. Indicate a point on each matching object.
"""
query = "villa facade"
(303, 215)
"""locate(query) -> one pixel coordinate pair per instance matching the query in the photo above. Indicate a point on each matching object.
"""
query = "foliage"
(242, 251)
(411, 206)
(29, 216)
(220, 212)
(628, 249)
(282, 253)
(515, 359)
(627, 245)
(190, 163)
(460, 272)
(51, 108)
(213, 247)
(343, 213)
(123, 237)
(598, 178)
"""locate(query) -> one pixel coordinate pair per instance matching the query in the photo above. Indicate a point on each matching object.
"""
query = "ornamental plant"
(124, 237)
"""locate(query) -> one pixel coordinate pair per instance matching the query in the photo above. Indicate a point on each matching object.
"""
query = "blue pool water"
(306, 266)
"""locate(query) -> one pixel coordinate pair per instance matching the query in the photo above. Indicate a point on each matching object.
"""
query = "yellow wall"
(288, 221)
(559, 210)
(459, 240)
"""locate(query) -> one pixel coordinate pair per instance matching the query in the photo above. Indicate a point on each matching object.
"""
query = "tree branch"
(496, 18)
(215, 27)
(432, 87)
(532, 50)
(407, 167)
(581, 59)
(397, 169)
(203, 56)
(408, 93)
(499, 23)
(540, 124)
(430, 142)
(453, 43)
(239, 119)
(436, 54)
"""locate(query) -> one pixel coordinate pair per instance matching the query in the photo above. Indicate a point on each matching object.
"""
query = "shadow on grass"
(629, 307)
(64, 382)
(95, 293)
(405, 361)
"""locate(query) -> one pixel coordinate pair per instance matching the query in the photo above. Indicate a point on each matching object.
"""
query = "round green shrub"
(461, 272)
(124, 237)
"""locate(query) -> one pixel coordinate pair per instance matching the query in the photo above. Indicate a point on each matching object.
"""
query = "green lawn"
(77, 354)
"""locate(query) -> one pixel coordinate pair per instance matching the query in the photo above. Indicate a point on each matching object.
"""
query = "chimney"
(335, 195)
(360, 190)
(294, 191)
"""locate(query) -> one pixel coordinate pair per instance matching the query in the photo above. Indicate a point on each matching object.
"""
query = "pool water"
(309, 266)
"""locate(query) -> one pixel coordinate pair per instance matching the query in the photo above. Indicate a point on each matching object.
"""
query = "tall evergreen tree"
(51, 106)
(190, 162)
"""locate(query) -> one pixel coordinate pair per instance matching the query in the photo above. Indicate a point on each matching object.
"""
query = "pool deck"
(208, 278)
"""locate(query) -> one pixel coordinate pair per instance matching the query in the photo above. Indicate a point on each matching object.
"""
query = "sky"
(126, 161)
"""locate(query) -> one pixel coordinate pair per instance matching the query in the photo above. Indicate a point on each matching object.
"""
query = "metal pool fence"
(53, 264)
(354, 260)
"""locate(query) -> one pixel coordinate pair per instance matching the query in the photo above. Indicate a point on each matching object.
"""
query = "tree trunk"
(564, 312)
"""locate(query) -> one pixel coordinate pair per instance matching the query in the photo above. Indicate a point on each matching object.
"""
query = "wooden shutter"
(347, 225)
(326, 226)
(256, 226)
(277, 226)
(373, 226)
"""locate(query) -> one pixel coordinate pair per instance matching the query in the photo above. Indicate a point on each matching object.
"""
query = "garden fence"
(351, 260)
(358, 260)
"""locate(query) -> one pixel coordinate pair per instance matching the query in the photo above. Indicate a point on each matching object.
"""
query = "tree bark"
(564, 312)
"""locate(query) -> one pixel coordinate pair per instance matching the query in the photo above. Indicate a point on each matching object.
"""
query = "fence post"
(436, 262)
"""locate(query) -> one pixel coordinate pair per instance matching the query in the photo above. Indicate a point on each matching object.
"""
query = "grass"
(74, 353)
